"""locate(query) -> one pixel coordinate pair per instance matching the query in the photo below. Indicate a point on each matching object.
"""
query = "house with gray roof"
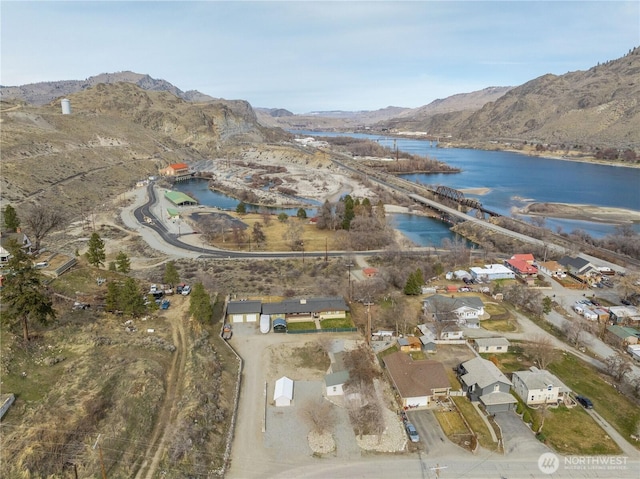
(538, 386)
(243, 311)
(307, 309)
(484, 382)
(491, 345)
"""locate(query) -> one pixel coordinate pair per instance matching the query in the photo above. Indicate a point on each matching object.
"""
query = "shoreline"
(582, 212)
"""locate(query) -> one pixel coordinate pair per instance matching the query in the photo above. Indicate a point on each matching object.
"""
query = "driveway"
(518, 438)
(433, 441)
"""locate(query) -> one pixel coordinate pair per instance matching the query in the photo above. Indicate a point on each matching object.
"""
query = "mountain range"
(126, 125)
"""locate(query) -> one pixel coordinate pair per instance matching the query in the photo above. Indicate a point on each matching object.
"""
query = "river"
(513, 179)
(510, 179)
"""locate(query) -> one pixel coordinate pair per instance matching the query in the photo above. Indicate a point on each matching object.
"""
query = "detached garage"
(243, 311)
(283, 392)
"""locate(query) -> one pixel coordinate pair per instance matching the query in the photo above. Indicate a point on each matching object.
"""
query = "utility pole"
(368, 305)
(326, 251)
(349, 265)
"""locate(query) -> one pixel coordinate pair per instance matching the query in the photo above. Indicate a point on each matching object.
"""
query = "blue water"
(516, 179)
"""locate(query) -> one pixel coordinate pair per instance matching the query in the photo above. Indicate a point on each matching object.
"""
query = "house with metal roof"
(538, 386)
(623, 335)
(418, 383)
(491, 272)
(484, 382)
(179, 199)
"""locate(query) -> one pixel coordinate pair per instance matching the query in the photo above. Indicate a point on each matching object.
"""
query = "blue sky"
(310, 55)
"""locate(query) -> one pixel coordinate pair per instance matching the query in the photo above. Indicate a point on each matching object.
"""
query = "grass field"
(573, 431)
(336, 323)
(476, 423)
(302, 326)
(614, 407)
(314, 239)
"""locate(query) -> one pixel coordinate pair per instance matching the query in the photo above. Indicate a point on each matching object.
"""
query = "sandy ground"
(315, 180)
(603, 214)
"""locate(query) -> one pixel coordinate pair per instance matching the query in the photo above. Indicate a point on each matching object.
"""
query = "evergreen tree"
(171, 276)
(283, 217)
(123, 264)
(241, 208)
(414, 283)
(200, 307)
(349, 212)
(23, 294)
(131, 298)
(302, 213)
(112, 298)
(96, 254)
(10, 218)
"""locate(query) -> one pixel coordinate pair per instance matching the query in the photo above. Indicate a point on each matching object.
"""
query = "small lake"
(423, 231)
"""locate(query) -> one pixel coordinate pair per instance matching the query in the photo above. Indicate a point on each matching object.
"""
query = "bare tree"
(541, 350)
(293, 235)
(574, 330)
(617, 367)
(318, 414)
(361, 367)
(40, 220)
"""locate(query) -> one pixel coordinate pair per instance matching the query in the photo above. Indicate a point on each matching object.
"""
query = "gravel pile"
(321, 443)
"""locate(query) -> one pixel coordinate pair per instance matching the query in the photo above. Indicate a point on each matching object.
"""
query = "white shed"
(283, 392)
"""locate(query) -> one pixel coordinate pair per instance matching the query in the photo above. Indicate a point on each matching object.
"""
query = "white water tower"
(66, 106)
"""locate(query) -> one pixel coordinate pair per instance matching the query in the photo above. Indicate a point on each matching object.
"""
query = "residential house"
(334, 383)
(283, 391)
(521, 267)
(538, 386)
(484, 382)
(419, 383)
(579, 267)
(551, 268)
(175, 169)
(526, 257)
(300, 310)
(243, 311)
(6, 238)
(491, 272)
(458, 309)
(491, 345)
(410, 344)
(622, 336)
(370, 272)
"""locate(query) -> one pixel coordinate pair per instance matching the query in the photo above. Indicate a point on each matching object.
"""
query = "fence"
(329, 330)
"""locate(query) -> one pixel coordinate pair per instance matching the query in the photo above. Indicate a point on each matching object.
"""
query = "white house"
(634, 351)
(461, 309)
(538, 386)
(492, 272)
(334, 383)
(491, 345)
(283, 391)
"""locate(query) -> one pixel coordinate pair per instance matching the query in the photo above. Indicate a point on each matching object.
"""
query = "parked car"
(626, 302)
(179, 288)
(585, 402)
(412, 432)
(186, 289)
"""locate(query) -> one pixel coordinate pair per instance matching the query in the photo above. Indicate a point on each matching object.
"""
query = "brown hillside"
(115, 135)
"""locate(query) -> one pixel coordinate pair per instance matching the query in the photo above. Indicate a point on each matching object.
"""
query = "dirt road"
(175, 383)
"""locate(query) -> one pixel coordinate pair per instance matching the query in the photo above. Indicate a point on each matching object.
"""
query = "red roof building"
(521, 267)
(176, 169)
(527, 257)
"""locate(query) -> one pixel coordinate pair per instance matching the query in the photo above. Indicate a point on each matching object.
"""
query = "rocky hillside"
(599, 107)
(45, 92)
(116, 134)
